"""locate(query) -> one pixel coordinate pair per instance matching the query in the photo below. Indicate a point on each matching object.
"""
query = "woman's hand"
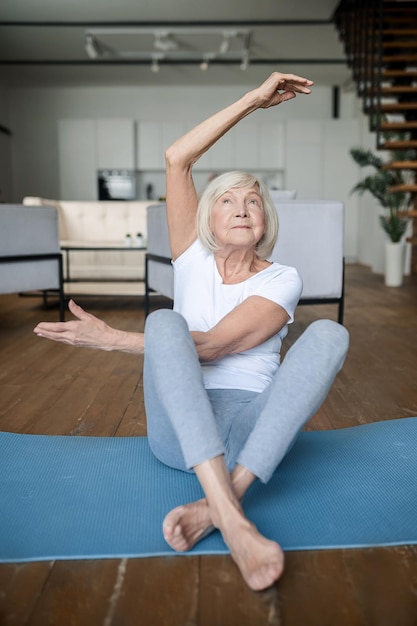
(279, 87)
(88, 331)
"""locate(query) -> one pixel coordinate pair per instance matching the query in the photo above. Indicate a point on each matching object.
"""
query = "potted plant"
(378, 184)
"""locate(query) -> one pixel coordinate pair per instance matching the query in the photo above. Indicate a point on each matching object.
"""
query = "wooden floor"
(54, 389)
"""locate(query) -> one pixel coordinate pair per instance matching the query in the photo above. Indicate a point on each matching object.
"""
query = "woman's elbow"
(177, 160)
(169, 154)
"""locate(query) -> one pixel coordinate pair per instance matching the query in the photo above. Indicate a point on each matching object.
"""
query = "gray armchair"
(30, 255)
(310, 238)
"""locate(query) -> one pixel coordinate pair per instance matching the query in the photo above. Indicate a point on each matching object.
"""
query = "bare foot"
(260, 560)
(185, 525)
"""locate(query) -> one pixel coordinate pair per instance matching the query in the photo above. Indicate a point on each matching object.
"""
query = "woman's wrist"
(124, 341)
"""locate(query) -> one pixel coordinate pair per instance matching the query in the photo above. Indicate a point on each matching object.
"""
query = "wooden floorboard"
(54, 389)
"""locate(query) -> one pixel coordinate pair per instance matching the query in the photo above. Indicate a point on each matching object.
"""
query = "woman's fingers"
(79, 311)
(279, 87)
(291, 82)
(58, 331)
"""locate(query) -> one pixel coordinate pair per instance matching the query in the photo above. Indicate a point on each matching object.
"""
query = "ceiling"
(42, 42)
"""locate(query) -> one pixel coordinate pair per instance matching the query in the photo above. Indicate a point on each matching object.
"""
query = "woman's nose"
(241, 210)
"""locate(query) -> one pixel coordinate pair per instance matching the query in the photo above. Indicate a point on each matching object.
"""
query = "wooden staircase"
(380, 42)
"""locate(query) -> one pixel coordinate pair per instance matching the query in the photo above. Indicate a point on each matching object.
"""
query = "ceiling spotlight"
(244, 62)
(204, 65)
(155, 65)
(91, 47)
(225, 44)
(164, 42)
(96, 49)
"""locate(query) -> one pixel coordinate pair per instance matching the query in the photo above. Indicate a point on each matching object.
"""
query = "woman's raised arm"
(182, 155)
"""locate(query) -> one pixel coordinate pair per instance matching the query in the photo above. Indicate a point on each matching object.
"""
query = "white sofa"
(311, 235)
(30, 256)
(101, 224)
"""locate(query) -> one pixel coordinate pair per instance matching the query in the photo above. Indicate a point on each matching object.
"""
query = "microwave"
(116, 184)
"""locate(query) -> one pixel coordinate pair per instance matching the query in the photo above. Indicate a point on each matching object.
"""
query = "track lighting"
(97, 49)
(225, 44)
(176, 45)
(244, 62)
(164, 42)
(204, 64)
(91, 47)
(155, 65)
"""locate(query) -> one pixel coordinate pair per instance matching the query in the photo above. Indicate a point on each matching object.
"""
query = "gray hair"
(216, 188)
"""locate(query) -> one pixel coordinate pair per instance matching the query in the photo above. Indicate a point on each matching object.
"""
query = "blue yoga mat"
(100, 497)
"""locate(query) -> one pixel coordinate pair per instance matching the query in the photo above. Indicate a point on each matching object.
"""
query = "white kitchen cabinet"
(153, 138)
(319, 166)
(258, 146)
(340, 174)
(86, 146)
(115, 144)
(221, 157)
(304, 158)
(246, 147)
(149, 146)
(271, 145)
(77, 160)
(171, 131)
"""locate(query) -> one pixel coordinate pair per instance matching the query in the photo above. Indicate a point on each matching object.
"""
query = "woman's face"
(237, 218)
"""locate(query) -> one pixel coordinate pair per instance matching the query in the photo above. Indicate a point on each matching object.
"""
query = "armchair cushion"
(30, 256)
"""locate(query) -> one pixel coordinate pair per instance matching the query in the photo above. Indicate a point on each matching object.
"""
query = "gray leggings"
(188, 424)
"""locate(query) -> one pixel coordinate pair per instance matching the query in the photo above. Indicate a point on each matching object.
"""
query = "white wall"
(34, 116)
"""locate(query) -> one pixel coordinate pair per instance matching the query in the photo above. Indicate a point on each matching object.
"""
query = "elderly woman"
(217, 400)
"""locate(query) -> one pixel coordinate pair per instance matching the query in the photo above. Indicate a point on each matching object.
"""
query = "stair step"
(399, 44)
(396, 9)
(412, 240)
(398, 145)
(397, 125)
(403, 188)
(399, 20)
(395, 106)
(396, 31)
(399, 74)
(387, 74)
(391, 90)
(386, 59)
(394, 6)
(407, 213)
(390, 20)
(400, 58)
(400, 165)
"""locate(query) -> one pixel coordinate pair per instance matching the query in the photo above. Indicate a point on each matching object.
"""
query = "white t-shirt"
(203, 300)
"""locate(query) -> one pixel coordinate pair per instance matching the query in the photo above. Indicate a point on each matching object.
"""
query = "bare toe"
(185, 525)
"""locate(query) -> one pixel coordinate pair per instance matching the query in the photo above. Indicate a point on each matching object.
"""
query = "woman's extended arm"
(88, 331)
(181, 155)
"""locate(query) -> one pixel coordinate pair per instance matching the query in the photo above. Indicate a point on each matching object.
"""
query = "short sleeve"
(282, 285)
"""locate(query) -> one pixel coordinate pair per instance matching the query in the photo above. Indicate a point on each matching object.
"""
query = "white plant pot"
(394, 263)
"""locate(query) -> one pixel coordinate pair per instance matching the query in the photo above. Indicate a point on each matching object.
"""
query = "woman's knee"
(161, 318)
(330, 329)
(163, 324)
(330, 333)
